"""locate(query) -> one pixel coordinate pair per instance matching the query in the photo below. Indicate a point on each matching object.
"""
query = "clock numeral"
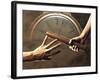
(56, 19)
(63, 22)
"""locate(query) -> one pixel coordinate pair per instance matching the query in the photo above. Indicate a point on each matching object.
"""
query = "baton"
(64, 39)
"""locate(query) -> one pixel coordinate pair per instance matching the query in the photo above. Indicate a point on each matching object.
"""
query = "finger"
(51, 43)
(44, 40)
(77, 49)
(54, 46)
(70, 41)
(74, 46)
(70, 47)
(74, 49)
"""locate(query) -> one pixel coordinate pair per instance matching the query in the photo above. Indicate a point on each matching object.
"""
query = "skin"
(81, 38)
(41, 51)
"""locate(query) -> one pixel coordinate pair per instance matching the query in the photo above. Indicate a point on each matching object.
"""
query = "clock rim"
(48, 14)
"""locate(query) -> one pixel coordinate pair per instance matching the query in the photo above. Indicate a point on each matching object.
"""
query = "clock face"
(54, 22)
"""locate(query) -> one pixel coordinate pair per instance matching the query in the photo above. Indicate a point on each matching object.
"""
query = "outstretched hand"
(41, 51)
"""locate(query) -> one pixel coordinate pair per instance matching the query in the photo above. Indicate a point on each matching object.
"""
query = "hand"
(41, 51)
(74, 40)
(80, 39)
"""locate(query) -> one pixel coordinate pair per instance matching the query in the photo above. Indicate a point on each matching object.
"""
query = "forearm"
(86, 29)
(27, 56)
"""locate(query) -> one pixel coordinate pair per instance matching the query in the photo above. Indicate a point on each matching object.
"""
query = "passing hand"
(72, 42)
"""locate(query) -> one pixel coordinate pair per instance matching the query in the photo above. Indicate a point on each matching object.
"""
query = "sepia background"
(68, 59)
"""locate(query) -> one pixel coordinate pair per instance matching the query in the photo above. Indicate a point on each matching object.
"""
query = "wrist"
(81, 36)
(27, 56)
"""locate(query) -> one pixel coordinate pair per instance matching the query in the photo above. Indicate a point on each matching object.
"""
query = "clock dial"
(57, 23)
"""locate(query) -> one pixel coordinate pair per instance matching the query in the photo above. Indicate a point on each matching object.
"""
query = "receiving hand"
(41, 51)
